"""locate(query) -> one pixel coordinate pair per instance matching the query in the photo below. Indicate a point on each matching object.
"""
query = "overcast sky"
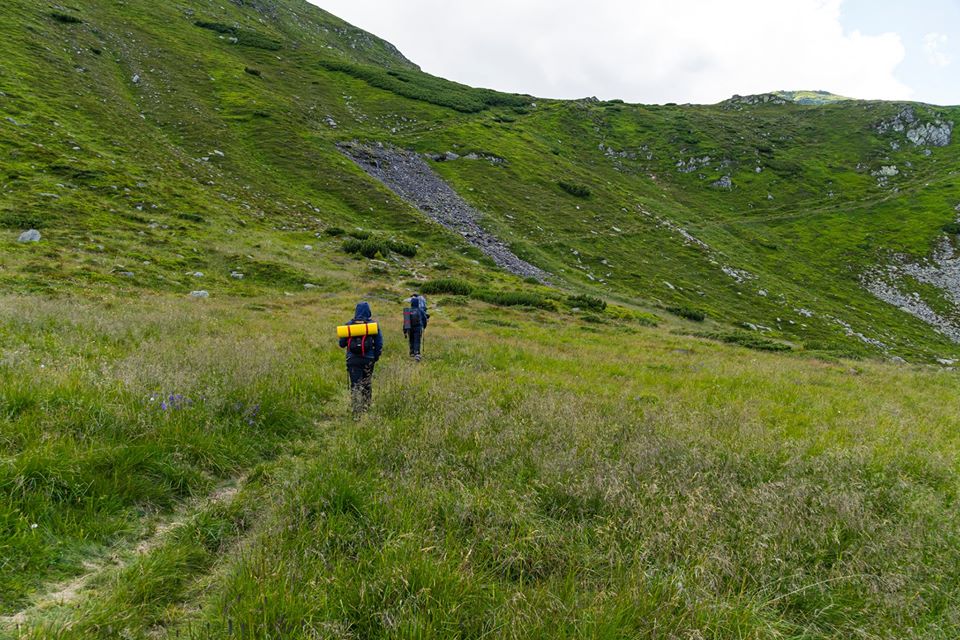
(656, 51)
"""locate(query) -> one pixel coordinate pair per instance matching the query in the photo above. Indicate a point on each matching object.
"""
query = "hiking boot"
(417, 358)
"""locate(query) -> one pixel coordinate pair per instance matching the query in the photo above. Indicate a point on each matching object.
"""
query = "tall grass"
(106, 414)
(548, 478)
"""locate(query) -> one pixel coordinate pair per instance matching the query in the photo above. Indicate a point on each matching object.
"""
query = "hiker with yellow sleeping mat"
(363, 341)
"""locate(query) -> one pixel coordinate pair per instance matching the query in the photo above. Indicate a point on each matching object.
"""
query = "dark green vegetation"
(686, 312)
(577, 190)
(568, 463)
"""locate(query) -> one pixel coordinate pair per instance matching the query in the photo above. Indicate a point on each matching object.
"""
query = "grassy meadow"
(700, 432)
(540, 475)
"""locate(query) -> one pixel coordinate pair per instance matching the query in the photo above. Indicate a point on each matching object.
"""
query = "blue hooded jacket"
(420, 304)
(362, 315)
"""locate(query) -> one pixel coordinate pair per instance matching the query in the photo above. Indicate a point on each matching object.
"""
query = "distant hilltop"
(785, 97)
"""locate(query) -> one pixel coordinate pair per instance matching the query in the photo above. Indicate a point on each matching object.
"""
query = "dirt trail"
(65, 593)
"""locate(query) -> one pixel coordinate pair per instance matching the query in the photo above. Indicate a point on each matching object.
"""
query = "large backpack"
(411, 319)
(358, 345)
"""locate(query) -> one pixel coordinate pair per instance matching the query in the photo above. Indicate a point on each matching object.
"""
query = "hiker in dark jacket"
(417, 320)
(362, 355)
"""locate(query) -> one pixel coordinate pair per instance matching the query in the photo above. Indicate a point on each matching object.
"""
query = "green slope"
(558, 467)
(221, 157)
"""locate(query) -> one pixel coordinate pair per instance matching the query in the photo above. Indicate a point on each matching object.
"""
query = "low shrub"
(252, 71)
(687, 312)
(403, 248)
(191, 217)
(17, 220)
(335, 232)
(952, 228)
(584, 301)
(65, 18)
(367, 248)
(452, 286)
(219, 27)
(576, 190)
(359, 234)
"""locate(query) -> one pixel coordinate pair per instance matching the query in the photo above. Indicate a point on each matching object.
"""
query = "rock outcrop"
(937, 133)
(941, 270)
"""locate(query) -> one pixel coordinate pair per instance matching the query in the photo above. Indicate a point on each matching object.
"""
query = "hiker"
(414, 323)
(362, 354)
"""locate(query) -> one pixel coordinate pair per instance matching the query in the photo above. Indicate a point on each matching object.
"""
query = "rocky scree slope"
(407, 174)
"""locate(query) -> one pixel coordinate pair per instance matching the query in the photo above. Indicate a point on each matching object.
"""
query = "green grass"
(118, 417)
(546, 473)
(552, 479)
(200, 163)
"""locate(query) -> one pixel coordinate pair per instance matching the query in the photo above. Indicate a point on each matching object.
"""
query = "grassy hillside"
(691, 434)
(148, 144)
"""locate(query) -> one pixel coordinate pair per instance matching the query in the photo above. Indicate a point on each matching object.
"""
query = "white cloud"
(639, 50)
(933, 43)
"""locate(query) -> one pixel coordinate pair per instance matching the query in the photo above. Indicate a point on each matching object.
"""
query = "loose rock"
(29, 236)
(726, 182)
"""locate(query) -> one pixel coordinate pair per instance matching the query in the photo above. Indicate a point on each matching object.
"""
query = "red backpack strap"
(363, 346)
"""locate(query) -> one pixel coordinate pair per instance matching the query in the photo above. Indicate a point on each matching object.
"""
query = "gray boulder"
(29, 236)
(200, 294)
(726, 182)
(934, 134)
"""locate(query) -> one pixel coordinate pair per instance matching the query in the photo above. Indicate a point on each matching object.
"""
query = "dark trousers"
(361, 386)
(415, 335)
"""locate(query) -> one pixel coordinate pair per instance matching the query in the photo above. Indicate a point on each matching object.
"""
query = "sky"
(658, 51)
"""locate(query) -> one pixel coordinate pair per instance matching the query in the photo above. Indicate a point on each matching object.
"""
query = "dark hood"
(363, 312)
